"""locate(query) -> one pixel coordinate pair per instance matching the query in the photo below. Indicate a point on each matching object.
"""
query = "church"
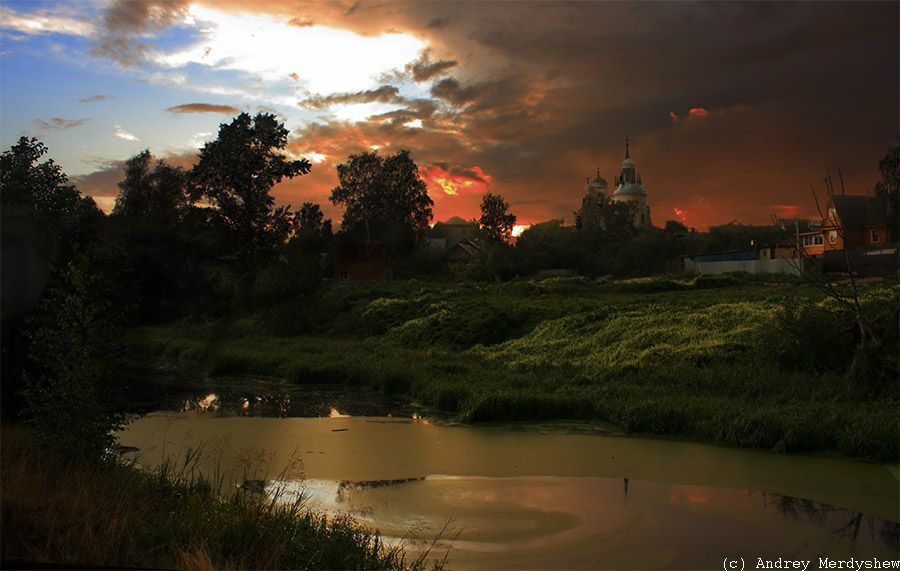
(628, 190)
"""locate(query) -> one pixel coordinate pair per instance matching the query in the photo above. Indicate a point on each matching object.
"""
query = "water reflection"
(545, 522)
(278, 399)
(839, 521)
(516, 499)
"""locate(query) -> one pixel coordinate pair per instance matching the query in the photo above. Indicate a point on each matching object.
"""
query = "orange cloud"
(682, 214)
(698, 112)
(450, 180)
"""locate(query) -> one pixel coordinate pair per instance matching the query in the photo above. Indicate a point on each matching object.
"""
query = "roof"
(458, 221)
(630, 188)
(858, 211)
(464, 249)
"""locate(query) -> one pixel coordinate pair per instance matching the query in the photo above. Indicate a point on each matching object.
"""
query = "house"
(853, 222)
(454, 230)
(461, 254)
(362, 262)
(854, 231)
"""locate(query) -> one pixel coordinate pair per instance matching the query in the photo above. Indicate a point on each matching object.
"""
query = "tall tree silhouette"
(385, 199)
(496, 221)
(236, 173)
(155, 193)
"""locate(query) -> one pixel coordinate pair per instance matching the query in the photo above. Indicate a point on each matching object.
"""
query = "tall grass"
(63, 511)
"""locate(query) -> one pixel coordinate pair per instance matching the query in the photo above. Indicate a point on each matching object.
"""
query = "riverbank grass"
(61, 510)
(760, 365)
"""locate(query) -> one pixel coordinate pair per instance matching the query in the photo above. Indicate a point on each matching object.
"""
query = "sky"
(733, 109)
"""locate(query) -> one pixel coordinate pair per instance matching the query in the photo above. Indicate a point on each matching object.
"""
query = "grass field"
(739, 361)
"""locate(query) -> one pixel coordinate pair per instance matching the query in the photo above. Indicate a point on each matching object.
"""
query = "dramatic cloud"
(326, 60)
(729, 106)
(127, 24)
(424, 69)
(454, 179)
(384, 94)
(58, 123)
(203, 108)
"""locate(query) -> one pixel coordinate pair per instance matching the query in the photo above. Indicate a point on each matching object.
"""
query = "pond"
(538, 496)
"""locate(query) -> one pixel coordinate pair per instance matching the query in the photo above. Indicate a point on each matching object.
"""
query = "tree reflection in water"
(840, 521)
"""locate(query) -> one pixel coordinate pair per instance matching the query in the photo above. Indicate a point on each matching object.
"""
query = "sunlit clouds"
(204, 108)
(453, 179)
(44, 22)
(123, 134)
(681, 214)
(323, 60)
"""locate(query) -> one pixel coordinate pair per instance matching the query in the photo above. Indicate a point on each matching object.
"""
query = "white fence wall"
(778, 266)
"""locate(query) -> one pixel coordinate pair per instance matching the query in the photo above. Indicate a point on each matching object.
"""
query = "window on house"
(818, 240)
(876, 237)
(344, 275)
(832, 236)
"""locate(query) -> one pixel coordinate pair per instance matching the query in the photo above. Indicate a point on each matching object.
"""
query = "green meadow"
(754, 362)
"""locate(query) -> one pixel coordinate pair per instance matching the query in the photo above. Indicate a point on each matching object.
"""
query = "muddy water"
(534, 499)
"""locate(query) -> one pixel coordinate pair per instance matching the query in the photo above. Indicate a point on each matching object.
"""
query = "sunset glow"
(478, 110)
(451, 180)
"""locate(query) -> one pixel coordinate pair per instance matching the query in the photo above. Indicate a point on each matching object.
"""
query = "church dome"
(628, 164)
(630, 188)
(599, 181)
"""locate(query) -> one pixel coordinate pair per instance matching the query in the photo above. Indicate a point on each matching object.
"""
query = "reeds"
(64, 511)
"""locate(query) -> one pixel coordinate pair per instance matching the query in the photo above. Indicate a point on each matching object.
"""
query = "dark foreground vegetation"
(727, 359)
(67, 511)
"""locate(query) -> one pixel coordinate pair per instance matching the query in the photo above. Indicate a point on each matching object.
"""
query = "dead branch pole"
(865, 331)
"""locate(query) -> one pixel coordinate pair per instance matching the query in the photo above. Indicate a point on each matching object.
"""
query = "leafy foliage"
(887, 190)
(156, 195)
(73, 393)
(496, 221)
(385, 199)
(236, 173)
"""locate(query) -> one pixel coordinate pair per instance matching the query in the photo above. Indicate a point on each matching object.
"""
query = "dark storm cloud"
(542, 93)
(424, 69)
(125, 21)
(417, 109)
(384, 94)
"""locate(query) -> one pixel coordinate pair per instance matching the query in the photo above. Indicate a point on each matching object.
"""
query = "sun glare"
(326, 60)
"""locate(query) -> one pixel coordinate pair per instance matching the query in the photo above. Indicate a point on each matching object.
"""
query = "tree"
(312, 232)
(385, 199)
(547, 245)
(886, 190)
(156, 195)
(496, 221)
(236, 173)
(40, 190)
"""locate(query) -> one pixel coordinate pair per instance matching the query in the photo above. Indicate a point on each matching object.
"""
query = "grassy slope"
(707, 358)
